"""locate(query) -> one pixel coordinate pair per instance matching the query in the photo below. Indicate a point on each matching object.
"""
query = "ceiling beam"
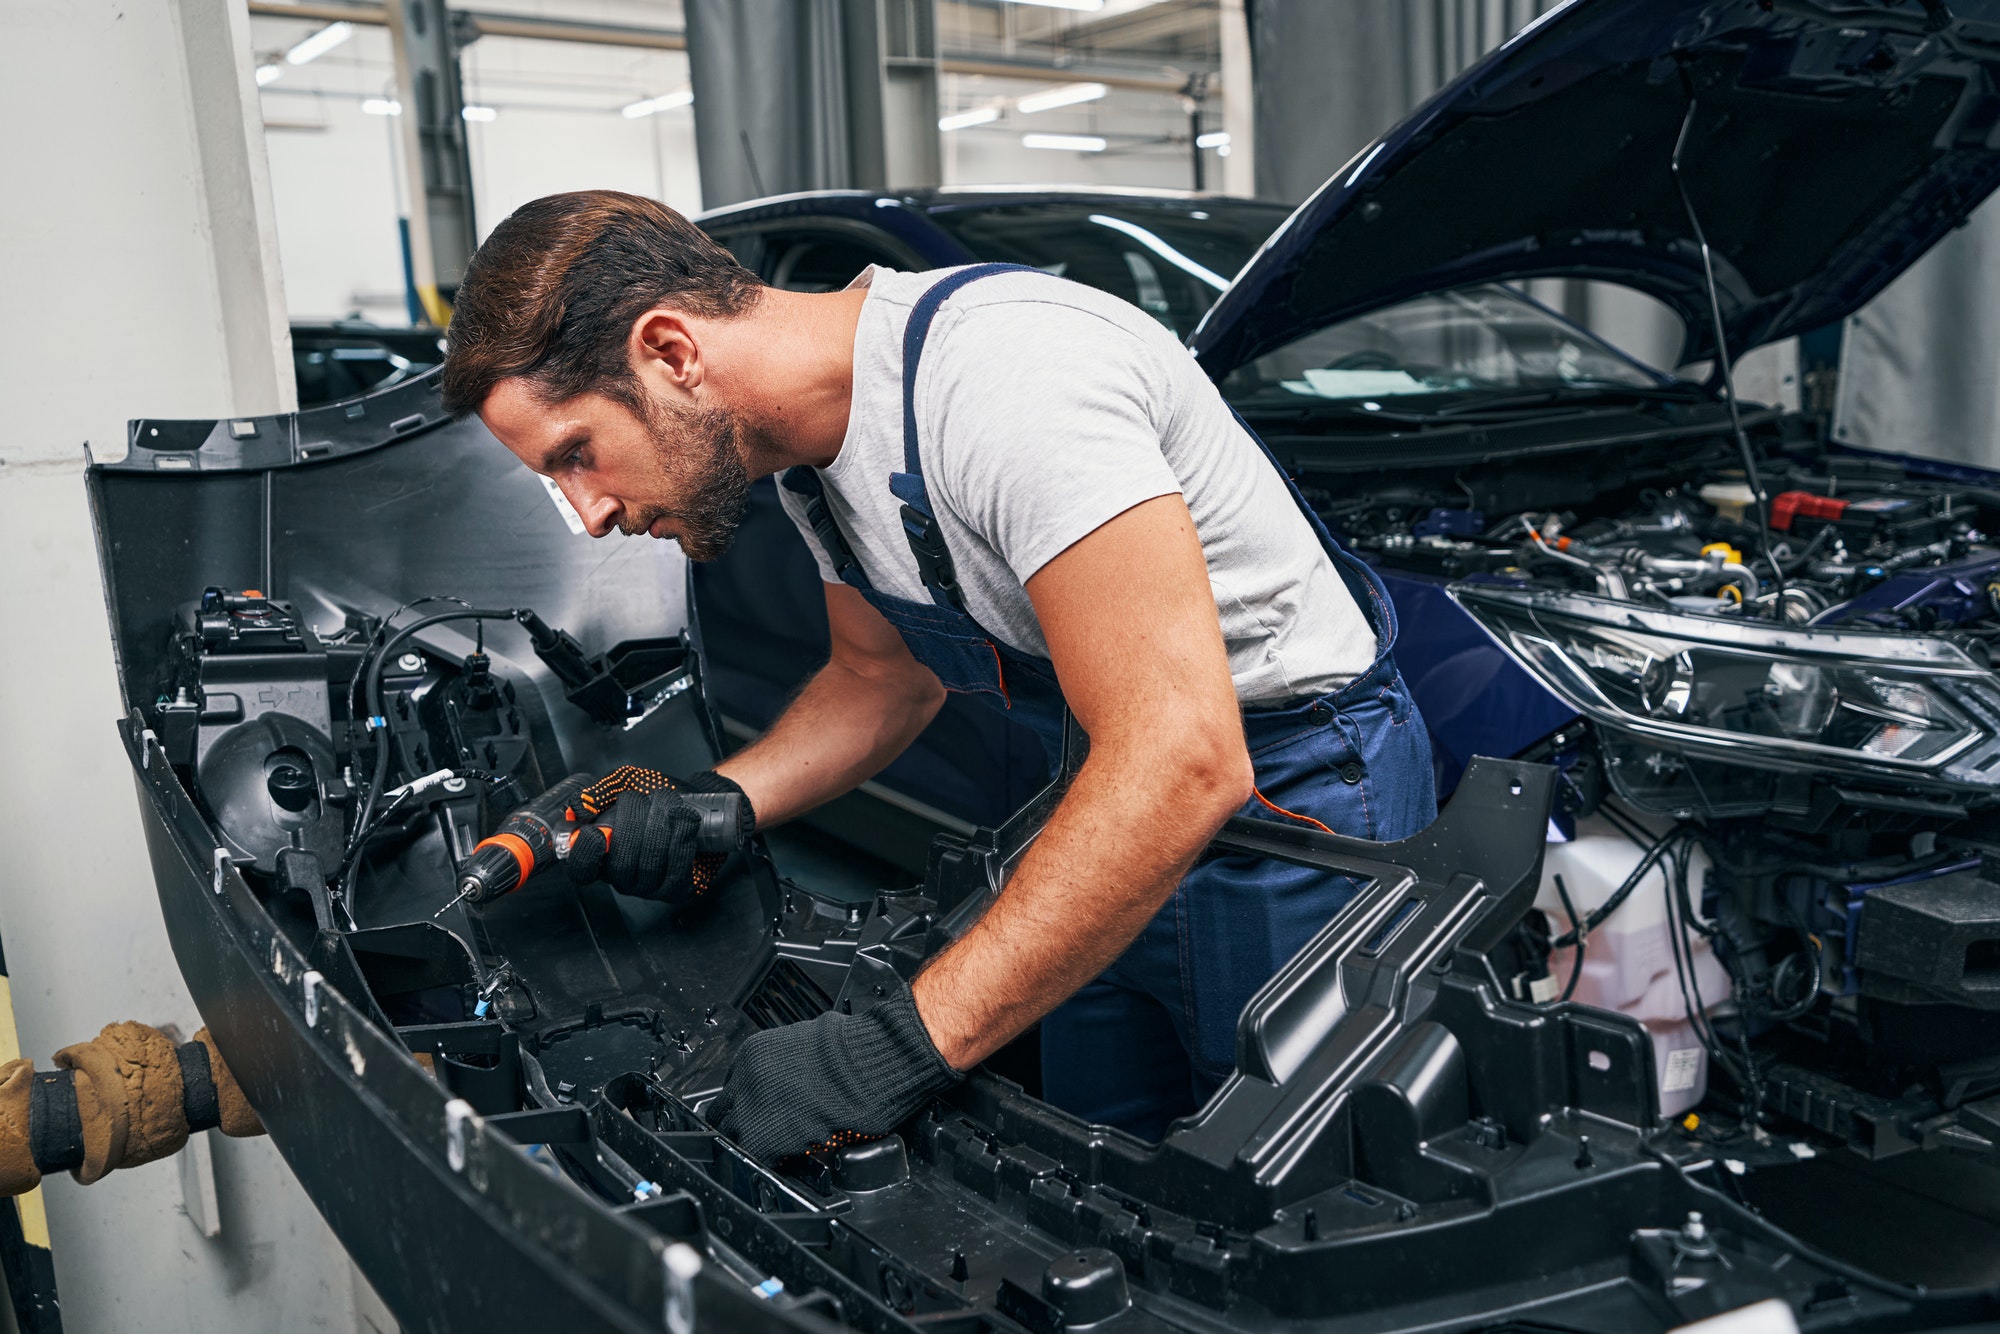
(667, 39)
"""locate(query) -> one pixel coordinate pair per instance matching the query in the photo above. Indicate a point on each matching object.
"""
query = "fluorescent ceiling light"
(1162, 249)
(479, 113)
(664, 102)
(966, 119)
(381, 106)
(1075, 143)
(321, 42)
(1087, 5)
(269, 74)
(1066, 96)
(1213, 139)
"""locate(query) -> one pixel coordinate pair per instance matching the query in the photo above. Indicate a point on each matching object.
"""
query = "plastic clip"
(311, 984)
(681, 1262)
(221, 865)
(457, 1114)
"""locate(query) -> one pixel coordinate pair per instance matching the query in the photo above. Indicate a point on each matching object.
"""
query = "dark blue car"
(1760, 658)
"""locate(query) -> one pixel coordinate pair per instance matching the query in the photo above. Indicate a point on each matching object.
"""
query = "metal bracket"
(221, 865)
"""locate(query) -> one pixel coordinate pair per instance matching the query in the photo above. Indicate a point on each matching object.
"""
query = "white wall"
(559, 126)
(138, 278)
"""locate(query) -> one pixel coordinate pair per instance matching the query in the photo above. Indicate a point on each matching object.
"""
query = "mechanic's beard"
(699, 459)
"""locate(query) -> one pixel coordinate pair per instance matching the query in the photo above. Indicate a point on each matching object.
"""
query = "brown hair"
(553, 293)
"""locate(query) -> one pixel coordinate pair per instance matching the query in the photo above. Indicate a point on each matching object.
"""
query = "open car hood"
(1831, 145)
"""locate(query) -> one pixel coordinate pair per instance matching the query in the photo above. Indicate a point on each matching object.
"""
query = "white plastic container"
(1628, 960)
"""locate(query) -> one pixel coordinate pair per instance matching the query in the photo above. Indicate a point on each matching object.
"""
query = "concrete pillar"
(813, 95)
(140, 277)
(1239, 101)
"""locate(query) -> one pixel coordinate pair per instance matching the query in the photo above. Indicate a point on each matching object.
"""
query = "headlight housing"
(1800, 698)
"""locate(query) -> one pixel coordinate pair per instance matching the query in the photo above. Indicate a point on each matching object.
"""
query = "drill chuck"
(527, 841)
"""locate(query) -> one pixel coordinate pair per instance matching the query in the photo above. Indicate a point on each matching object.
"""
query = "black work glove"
(642, 840)
(838, 1079)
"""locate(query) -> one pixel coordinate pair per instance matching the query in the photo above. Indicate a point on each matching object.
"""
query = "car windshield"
(1474, 341)
(1169, 257)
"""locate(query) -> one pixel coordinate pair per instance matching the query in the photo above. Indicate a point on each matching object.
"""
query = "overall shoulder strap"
(803, 481)
(920, 523)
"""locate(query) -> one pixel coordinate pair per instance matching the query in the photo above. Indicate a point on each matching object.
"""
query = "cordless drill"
(537, 833)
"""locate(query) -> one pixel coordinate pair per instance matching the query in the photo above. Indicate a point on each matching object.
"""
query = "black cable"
(371, 677)
(1722, 357)
(1809, 951)
(1577, 930)
(395, 807)
(1748, 1221)
(1597, 916)
(353, 704)
(1691, 1001)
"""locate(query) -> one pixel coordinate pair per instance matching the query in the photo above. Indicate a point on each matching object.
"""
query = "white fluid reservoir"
(1628, 959)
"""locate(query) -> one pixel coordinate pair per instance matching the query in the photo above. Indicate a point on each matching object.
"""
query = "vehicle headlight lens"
(1792, 696)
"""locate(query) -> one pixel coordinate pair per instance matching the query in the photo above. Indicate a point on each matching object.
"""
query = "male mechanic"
(1018, 488)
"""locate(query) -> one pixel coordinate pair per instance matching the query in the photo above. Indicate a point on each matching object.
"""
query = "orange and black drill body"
(527, 841)
(537, 833)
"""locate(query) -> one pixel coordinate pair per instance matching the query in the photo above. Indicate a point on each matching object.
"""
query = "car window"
(1169, 257)
(1473, 340)
(746, 243)
(815, 260)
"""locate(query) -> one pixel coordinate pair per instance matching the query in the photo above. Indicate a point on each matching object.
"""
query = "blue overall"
(1155, 1034)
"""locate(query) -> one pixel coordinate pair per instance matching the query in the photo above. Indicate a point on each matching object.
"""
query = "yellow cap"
(1690, 1122)
(1729, 554)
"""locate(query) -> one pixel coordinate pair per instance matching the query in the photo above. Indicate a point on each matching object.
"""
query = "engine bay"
(1767, 721)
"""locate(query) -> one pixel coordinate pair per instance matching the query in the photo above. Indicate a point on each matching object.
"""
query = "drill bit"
(463, 894)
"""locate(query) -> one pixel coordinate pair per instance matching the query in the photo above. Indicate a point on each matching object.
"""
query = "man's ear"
(663, 350)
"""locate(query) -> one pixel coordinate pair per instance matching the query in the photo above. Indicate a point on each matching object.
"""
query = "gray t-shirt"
(1045, 409)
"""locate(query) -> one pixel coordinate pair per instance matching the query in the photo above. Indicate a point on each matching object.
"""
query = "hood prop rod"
(1722, 360)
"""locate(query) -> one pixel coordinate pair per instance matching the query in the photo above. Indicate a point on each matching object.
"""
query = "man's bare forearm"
(1126, 832)
(842, 728)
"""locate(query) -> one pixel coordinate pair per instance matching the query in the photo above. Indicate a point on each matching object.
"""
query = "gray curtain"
(1920, 364)
(1332, 75)
(773, 86)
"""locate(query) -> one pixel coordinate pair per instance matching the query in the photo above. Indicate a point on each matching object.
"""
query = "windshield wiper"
(1575, 392)
(1499, 405)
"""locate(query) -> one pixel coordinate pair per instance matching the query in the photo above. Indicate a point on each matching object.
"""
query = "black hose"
(1577, 930)
(1809, 951)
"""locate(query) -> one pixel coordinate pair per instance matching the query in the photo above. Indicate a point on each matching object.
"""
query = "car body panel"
(1833, 145)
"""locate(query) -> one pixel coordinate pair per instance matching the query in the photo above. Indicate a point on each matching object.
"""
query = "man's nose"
(598, 511)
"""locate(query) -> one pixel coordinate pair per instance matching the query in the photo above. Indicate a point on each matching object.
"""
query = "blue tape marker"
(479, 1010)
(769, 1288)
